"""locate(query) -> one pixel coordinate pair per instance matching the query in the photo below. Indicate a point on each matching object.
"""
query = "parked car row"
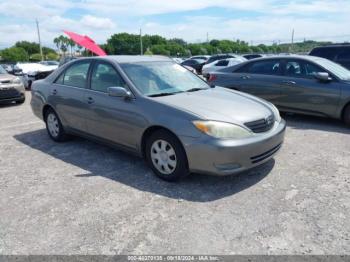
(208, 62)
(29, 72)
(301, 84)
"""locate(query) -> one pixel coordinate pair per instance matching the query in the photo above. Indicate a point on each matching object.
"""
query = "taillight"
(212, 77)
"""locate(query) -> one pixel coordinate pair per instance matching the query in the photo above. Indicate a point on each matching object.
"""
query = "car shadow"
(100, 160)
(304, 122)
(8, 104)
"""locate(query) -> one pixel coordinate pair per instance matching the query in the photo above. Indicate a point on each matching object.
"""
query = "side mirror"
(323, 76)
(118, 91)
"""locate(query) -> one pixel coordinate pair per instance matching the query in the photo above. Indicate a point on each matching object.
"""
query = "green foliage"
(160, 50)
(33, 48)
(51, 56)
(123, 44)
(14, 54)
(35, 57)
(148, 52)
(29, 47)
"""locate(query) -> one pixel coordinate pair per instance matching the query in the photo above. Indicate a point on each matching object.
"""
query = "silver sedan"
(158, 110)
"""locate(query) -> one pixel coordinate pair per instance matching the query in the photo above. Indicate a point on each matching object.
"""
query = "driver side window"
(104, 76)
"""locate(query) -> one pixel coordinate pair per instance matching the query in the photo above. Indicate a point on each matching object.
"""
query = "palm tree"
(64, 44)
(71, 44)
(57, 42)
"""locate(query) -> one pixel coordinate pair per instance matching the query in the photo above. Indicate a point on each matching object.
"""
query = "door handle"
(90, 100)
(289, 83)
(54, 92)
(245, 77)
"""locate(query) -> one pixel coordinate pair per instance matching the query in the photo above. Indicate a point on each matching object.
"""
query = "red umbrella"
(86, 42)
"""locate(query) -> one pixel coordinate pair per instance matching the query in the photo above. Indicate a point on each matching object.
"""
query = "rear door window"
(75, 75)
(266, 67)
(222, 63)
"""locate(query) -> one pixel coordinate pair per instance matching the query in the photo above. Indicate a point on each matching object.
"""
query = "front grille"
(263, 156)
(9, 93)
(261, 125)
(5, 81)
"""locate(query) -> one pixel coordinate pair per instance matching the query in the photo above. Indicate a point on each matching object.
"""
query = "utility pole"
(141, 47)
(207, 37)
(41, 49)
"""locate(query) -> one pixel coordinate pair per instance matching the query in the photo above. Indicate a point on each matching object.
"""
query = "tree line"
(129, 44)
(24, 51)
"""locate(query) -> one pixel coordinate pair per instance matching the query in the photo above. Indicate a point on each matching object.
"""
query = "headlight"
(276, 113)
(222, 129)
(16, 81)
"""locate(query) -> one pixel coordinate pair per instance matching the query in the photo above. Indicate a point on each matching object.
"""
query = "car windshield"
(2, 70)
(338, 70)
(162, 78)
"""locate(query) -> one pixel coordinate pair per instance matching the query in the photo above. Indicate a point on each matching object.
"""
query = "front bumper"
(224, 157)
(12, 92)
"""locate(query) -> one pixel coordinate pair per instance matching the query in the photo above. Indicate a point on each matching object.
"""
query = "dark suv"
(337, 53)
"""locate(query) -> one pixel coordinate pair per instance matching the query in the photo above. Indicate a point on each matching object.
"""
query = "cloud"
(152, 7)
(97, 22)
(33, 8)
(260, 21)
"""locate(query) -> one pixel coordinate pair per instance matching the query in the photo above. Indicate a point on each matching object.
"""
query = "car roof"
(135, 58)
(333, 46)
(304, 57)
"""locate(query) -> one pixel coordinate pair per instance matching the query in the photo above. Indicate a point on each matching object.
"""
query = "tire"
(21, 101)
(54, 127)
(346, 115)
(166, 156)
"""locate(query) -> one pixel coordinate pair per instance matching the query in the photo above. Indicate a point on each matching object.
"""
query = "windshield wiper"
(164, 94)
(196, 89)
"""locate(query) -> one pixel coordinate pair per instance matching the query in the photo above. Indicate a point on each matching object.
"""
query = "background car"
(178, 60)
(301, 84)
(220, 64)
(66, 59)
(11, 88)
(191, 69)
(252, 56)
(202, 57)
(52, 64)
(337, 53)
(221, 56)
(157, 109)
(197, 64)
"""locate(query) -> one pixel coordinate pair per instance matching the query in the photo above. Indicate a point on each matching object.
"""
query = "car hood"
(6, 77)
(220, 104)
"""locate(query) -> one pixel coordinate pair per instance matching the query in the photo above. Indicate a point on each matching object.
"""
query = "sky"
(254, 21)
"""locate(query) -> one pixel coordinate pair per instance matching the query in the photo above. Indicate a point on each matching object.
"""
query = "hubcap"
(52, 125)
(163, 157)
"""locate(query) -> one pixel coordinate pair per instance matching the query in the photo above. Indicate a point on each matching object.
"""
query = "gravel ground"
(80, 197)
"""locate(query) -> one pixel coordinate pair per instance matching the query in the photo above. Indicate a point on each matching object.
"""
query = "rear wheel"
(54, 127)
(346, 115)
(166, 156)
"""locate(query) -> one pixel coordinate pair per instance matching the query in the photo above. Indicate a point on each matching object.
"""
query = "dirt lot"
(83, 198)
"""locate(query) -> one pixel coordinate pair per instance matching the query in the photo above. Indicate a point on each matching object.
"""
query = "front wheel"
(346, 116)
(166, 156)
(54, 127)
(21, 101)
